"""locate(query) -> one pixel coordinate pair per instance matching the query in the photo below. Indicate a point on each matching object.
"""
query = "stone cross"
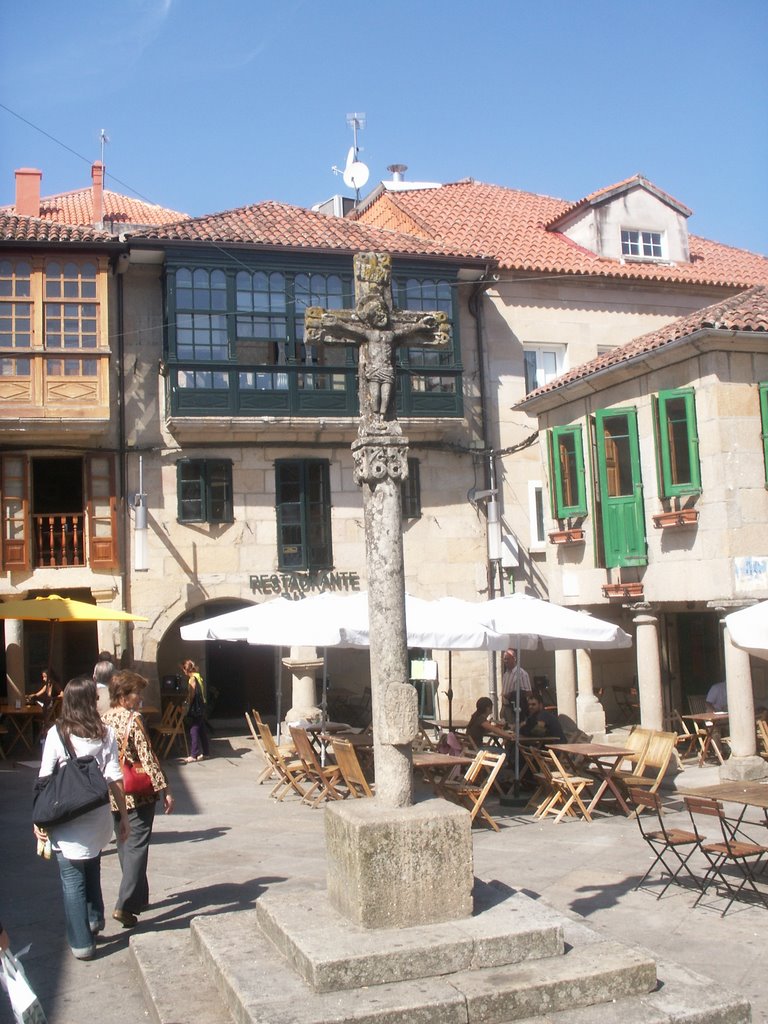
(380, 455)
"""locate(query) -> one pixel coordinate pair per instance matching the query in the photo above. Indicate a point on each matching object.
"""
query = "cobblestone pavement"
(228, 842)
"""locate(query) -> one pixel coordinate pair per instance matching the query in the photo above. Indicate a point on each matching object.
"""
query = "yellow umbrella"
(53, 608)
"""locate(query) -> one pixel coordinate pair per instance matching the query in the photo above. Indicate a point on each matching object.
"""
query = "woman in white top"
(78, 843)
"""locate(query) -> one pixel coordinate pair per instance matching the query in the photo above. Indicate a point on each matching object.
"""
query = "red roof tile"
(279, 225)
(747, 311)
(32, 229)
(76, 207)
(510, 226)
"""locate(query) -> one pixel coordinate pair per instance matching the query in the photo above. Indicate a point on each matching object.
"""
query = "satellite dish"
(356, 174)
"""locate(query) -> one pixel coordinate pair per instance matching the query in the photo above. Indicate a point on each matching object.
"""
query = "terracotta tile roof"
(76, 207)
(279, 225)
(510, 226)
(747, 311)
(32, 229)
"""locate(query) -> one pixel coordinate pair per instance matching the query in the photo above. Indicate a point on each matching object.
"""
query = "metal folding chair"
(664, 841)
(732, 851)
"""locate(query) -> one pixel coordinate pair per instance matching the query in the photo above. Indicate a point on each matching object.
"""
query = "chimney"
(97, 174)
(28, 191)
(397, 171)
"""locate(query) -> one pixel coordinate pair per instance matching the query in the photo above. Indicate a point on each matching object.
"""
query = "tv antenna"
(355, 173)
(104, 139)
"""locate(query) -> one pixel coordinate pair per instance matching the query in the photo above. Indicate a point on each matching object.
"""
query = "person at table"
(48, 693)
(78, 843)
(717, 697)
(480, 727)
(541, 722)
(126, 689)
(513, 677)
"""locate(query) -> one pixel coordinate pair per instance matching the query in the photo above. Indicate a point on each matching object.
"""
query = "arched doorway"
(238, 675)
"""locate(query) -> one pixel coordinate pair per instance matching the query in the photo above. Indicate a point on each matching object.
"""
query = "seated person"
(541, 722)
(479, 727)
(717, 697)
(48, 692)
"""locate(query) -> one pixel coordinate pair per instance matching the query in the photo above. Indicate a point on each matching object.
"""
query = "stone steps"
(293, 961)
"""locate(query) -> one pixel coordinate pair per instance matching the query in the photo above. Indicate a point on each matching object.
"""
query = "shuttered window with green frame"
(204, 490)
(763, 390)
(566, 456)
(303, 506)
(677, 443)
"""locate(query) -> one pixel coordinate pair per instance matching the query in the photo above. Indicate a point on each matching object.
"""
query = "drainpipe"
(122, 473)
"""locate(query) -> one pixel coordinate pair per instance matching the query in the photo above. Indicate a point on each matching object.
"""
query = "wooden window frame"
(14, 501)
(206, 470)
(563, 485)
(667, 459)
(310, 519)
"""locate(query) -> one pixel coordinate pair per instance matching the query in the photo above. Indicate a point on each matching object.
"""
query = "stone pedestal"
(303, 664)
(398, 867)
(649, 671)
(14, 659)
(565, 683)
(591, 716)
(743, 769)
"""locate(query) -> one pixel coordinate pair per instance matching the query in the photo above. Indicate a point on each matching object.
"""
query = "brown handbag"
(136, 781)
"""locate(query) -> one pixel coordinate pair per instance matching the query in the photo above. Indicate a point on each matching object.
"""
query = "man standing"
(513, 678)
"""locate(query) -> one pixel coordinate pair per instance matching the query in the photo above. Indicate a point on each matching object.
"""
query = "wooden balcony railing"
(59, 539)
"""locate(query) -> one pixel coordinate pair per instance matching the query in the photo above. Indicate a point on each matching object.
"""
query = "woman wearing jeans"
(78, 843)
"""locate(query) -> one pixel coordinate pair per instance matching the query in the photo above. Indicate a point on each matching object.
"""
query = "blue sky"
(211, 105)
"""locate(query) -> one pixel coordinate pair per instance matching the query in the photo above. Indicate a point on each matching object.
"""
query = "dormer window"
(641, 244)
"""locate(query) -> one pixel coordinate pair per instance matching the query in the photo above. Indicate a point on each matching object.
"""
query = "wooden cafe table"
(604, 761)
(22, 720)
(711, 721)
(435, 765)
(745, 794)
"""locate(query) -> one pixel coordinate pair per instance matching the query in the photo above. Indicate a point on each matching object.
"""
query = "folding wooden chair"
(170, 730)
(664, 841)
(688, 740)
(731, 851)
(762, 738)
(472, 790)
(290, 771)
(323, 780)
(351, 771)
(569, 787)
(697, 703)
(540, 772)
(268, 771)
(650, 770)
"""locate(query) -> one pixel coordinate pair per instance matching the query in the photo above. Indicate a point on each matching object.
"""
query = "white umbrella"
(748, 629)
(528, 622)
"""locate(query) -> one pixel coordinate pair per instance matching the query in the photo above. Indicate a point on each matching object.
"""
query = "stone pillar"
(591, 716)
(303, 664)
(649, 671)
(744, 762)
(14, 659)
(565, 683)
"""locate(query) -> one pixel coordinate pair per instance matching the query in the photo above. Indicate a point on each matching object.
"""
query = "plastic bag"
(24, 1003)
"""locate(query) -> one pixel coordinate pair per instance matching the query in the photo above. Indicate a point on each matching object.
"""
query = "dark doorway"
(701, 662)
(242, 675)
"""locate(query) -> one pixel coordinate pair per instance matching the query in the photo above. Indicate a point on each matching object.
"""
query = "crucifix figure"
(381, 464)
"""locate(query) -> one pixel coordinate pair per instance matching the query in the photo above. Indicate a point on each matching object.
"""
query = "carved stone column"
(649, 671)
(14, 659)
(303, 663)
(744, 762)
(591, 716)
(565, 683)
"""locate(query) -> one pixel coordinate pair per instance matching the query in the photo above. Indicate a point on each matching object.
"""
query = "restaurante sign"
(296, 585)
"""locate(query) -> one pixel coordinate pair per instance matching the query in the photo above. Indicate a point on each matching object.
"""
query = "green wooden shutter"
(621, 488)
(763, 389)
(567, 465)
(678, 443)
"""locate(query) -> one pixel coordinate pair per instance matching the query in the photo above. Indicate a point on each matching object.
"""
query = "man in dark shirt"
(541, 722)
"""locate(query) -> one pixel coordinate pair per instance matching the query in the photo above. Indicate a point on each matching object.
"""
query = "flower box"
(622, 590)
(682, 517)
(566, 536)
